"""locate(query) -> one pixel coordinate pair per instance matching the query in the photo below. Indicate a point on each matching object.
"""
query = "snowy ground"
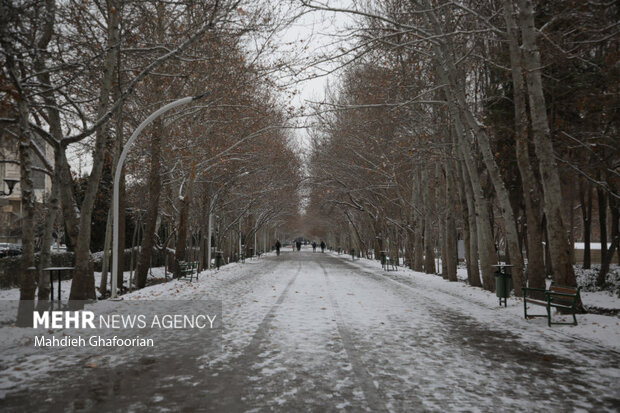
(311, 331)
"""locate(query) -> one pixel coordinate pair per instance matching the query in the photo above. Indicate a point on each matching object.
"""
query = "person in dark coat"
(298, 245)
(278, 245)
(313, 246)
(322, 246)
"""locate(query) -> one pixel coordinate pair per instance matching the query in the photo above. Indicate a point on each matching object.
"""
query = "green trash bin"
(219, 259)
(384, 260)
(353, 254)
(503, 285)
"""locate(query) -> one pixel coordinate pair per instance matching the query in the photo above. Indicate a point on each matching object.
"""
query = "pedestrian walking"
(313, 246)
(278, 245)
(322, 246)
(298, 245)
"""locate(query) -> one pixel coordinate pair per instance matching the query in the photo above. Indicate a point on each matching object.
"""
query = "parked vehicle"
(15, 249)
(8, 250)
(4, 249)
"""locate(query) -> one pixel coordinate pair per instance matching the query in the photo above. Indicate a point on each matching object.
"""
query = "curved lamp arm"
(117, 178)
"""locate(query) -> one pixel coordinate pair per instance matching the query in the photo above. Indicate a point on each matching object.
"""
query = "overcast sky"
(314, 33)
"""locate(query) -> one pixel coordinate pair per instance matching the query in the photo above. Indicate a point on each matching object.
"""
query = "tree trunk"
(471, 238)
(418, 226)
(451, 242)
(456, 98)
(83, 285)
(28, 269)
(70, 210)
(152, 211)
(586, 216)
(50, 221)
(454, 92)
(485, 244)
(531, 193)
(27, 282)
(615, 240)
(429, 254)
(559, 249)
(210, 230)
(122, 220)
(441, 211)
(183, 223)
(103, 283)
(602, 220)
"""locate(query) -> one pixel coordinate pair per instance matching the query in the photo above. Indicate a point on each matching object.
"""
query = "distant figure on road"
(313, 246)
(278, 245)
(298, 245)
(322, 246)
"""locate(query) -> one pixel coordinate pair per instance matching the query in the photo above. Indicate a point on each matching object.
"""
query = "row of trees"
(88, 72)
(485, 121)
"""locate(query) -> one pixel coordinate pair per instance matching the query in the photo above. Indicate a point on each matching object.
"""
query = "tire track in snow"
(417, 289)
(252, 350)
(372, 394)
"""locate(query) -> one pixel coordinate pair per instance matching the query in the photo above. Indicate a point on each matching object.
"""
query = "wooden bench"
(564, 298)
(187, 269)
(390, 264)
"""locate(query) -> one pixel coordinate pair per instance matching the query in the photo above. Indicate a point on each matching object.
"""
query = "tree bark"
(485, 244)
(586, 216)
(429, 254)
(27, 282)
(607, 257)
(473, 268)
(152, 211)
(50, 220)
(83, 285)
(182, 228)
(105, 266)
(451, 242)
(559, 249)
(418, 228)
(531, 193)
(442, 217)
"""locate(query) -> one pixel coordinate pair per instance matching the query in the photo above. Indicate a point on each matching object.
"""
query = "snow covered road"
(315, 332)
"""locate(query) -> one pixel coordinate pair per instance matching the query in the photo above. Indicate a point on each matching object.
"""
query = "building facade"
(11, 206)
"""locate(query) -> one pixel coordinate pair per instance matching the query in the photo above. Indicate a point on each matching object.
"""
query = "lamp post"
(117, 178)
(10, 183)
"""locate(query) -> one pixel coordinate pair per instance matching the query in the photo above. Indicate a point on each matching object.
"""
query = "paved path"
(312, 332)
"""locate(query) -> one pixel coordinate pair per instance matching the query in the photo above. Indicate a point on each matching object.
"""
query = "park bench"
(187, 270)
(390, 264)
(563, 298)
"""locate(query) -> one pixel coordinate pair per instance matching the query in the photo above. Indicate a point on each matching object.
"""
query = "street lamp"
(117, 178)
(10, 183)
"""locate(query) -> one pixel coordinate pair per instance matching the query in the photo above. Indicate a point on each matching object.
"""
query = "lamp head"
(10, 183)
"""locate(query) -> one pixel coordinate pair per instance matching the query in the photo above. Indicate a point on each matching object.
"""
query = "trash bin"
(250, 252)
(218, 259)
(353, 254)
(339, 250)
(383, 259)
(503, 285)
